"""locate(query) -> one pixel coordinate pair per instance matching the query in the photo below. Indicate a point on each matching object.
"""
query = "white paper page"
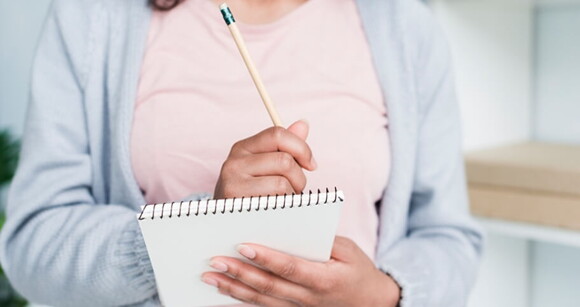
(180, 247)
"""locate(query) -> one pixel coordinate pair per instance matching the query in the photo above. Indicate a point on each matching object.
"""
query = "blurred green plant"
(9, 150)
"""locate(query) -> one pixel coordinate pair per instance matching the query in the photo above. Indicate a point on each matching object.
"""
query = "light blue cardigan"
(72, 237)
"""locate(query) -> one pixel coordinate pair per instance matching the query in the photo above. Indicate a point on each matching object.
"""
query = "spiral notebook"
(181, 237)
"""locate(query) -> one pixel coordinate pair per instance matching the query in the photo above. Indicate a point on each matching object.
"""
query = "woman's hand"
(348, 279)
(267, 163)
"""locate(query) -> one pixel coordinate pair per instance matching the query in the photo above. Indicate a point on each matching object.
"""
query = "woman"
(132, 105)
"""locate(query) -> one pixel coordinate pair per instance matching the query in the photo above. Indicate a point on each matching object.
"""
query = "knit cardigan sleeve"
(59, 246)
(436, 262)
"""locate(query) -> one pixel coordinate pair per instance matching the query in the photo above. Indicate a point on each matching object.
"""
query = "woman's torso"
(195, 99)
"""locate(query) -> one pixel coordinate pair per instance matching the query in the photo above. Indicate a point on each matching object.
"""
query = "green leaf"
(9, 150)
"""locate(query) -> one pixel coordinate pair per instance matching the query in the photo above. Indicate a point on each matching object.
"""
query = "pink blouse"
(196, 99)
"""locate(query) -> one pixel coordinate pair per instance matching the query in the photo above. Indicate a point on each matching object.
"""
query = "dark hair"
(164, 5)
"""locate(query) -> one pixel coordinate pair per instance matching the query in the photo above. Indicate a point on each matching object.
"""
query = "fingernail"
(246, 251)
(210, 281)
(314, 164)
(220, 266)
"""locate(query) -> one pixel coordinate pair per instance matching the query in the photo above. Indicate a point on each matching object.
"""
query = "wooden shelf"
(535, 183)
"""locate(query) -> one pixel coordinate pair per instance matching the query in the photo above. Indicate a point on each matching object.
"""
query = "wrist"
(388, 291)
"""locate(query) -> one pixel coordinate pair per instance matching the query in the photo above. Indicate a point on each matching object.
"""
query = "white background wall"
(20, 24)
(556, 268)
(504, 101)
(557, 116)
(556, 275)
(504, 273)
(491, 42)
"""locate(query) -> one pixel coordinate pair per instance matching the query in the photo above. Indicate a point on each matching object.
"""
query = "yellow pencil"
(231, 22)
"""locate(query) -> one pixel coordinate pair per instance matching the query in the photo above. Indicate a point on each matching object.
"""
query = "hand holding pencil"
(268, 163)
(272, 161)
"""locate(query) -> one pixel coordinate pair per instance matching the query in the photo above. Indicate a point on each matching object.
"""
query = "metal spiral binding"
(257, 207)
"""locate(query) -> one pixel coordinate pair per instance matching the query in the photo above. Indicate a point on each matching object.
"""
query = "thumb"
(300, 129)
(344, 249)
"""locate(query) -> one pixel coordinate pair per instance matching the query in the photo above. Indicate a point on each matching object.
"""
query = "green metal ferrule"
(228, 17)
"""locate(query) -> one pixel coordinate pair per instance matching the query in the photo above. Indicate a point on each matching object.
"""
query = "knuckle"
(281, 185)
(288, 269)
(277, 133)
(234, 272)
(326, 286)
(236, 147)
(285, 161)
(255, 299)
(325, 283)
(225, 287)
(229, 166)
(268, 286)
(309, 300)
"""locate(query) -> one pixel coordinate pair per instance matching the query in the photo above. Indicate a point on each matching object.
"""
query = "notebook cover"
(181, 246)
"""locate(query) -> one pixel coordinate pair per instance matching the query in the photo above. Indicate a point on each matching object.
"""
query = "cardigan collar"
(386, 33)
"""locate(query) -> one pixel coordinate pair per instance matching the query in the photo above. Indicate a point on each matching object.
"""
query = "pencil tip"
(224, 6)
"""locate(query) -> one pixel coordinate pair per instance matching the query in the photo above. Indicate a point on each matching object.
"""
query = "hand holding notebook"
(182, 237)
(350, 278)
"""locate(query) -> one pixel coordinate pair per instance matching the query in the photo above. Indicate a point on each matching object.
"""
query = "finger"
(264, 185)
(242, 292)
(300, 271)
(300, 129)
(277, 139)
(277, 163)
(264, 282)
(344, 249)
